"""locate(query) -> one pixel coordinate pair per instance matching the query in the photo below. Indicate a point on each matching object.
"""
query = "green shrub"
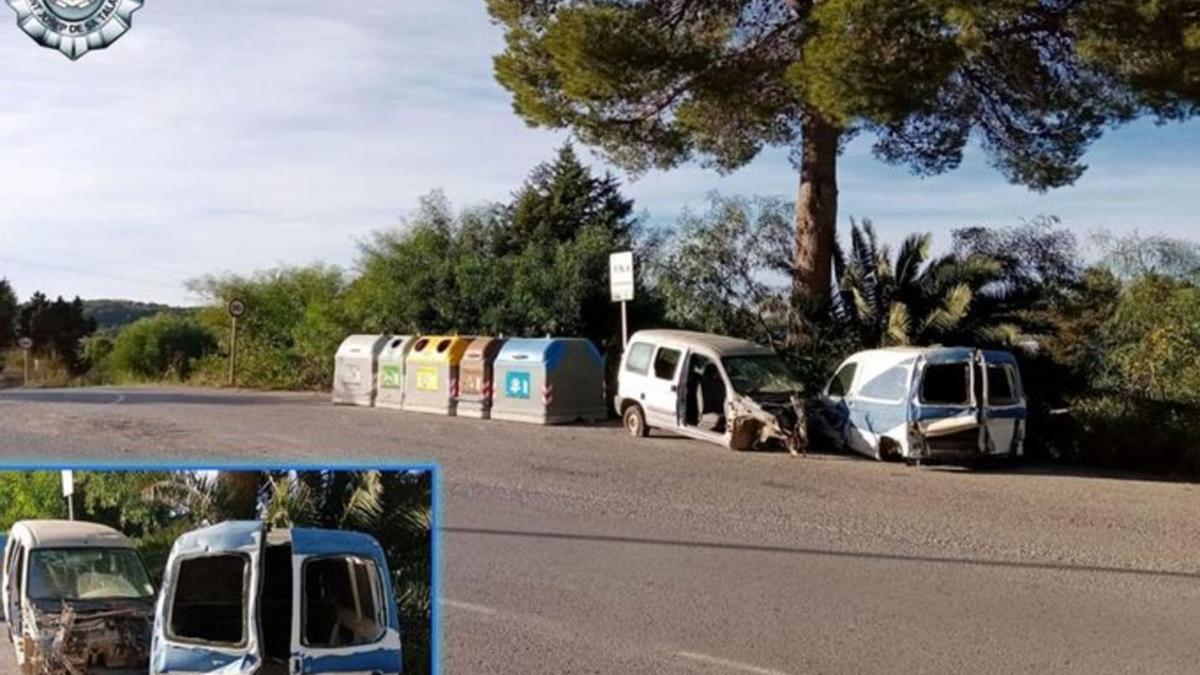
(160, 347)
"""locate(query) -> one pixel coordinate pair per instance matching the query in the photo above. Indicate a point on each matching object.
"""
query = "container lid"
(360, 345)
(545, 351)
(439, 349)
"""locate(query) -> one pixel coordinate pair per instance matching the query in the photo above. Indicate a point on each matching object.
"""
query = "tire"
(634, 421)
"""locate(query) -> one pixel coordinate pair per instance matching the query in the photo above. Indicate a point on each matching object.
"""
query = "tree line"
(1112, 338)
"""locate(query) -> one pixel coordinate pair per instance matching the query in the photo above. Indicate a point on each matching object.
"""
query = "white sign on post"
(620, 273)
(68, 480)
(620, 270)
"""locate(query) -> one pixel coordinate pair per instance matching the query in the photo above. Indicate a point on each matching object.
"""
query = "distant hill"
(112, 314)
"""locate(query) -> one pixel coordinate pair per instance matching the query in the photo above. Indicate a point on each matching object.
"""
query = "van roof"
(721, 344)
(68, 534)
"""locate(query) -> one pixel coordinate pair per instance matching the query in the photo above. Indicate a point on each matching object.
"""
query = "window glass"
(946, 384)
(1001, 389)
(342, 603)
(87, 574)
(639, 358)
(840, 384)
(760, 374)
(666, 363)
(890, 385)
(209, 600)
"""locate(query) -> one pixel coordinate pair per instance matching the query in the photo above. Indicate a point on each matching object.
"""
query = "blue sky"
(224, 135)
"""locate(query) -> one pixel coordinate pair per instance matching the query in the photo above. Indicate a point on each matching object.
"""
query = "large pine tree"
(655, 83)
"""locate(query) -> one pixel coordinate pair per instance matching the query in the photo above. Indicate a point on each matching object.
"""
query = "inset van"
(924, 403)
(242, 597)
(711, 387)
(77, 599)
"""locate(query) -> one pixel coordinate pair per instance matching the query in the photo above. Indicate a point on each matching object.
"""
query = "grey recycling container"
(431, 373)
(475, 378)
(390, 374)
(354, 369)
(549, 381)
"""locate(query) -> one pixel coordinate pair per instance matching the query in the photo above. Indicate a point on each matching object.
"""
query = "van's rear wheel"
(635, 421)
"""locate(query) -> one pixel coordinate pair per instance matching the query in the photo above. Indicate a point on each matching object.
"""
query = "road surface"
(580, 550)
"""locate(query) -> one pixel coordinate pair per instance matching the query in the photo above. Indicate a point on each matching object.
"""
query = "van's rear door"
(946, 405)
(206, 617)
(1005, 407)
(347, 620)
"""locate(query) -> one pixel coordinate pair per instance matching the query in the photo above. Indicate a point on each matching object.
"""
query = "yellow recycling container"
(431, 373)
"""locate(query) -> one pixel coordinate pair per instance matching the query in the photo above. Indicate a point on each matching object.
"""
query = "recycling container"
(549, 381)
(354, 369)
(475, 378)
(389, 379)
(431, 373)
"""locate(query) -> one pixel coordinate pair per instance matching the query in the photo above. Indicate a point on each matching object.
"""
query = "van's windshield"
(87, 574)
(760, 374)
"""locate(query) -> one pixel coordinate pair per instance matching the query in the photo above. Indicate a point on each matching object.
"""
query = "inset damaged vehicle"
(77, 598)
(920, 404)
(241, 597)
(711, 387)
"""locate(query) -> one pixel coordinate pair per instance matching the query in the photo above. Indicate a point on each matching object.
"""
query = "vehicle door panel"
(172, 653)
(662, 388)
(942, 415)
(1005, 407)
(378, 656)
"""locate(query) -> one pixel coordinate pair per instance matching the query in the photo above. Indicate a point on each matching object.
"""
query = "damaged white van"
(921, 404)
(77, 599)
(711, 387)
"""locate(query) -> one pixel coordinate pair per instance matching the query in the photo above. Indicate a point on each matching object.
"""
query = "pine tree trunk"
(816, 211)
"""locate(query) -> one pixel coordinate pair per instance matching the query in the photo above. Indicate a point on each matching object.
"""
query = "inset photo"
(203, 570)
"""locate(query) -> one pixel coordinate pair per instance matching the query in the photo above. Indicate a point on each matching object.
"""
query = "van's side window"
(890, 385)
(1002, 388)
(208, 604)
(639, 358)
(839, 386)
(666, 364)
(946, 384)
(342, 603)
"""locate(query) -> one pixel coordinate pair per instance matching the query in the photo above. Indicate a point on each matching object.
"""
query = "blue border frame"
(434, 469)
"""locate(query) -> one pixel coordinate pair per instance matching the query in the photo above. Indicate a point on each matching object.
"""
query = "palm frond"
(898, 324)
(365, 501)
(951, 312)
(913, 254)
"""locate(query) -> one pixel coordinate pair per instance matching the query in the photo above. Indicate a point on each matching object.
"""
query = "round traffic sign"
(25, 343)
(237, 308)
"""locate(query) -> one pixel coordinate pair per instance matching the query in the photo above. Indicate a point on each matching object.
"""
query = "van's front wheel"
(635, 421)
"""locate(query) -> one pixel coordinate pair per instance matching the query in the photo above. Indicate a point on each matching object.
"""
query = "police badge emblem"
(75, 27)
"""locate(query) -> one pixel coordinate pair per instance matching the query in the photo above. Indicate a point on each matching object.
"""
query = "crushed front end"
(768, 420)
(87, 637)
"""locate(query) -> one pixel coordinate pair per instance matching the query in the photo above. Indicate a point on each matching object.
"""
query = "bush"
(295, 319)
(1117, 431)
(163, 346)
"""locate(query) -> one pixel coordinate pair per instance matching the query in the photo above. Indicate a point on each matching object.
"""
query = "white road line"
(732, 665)
(469, 606)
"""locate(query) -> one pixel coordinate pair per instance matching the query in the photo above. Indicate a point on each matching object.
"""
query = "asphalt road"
(580, 550)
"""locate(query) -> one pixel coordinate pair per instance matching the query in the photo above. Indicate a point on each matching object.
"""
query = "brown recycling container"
(475, 381)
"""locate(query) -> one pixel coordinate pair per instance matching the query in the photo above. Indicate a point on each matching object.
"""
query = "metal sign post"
(26, 344)
(620, 272)
(68, 487)
(237, 308)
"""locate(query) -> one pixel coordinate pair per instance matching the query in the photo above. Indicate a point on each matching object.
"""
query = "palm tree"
(915, 299)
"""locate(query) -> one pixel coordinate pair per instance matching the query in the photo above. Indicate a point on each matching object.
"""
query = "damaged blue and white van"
(241, 597)
(920, 404)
